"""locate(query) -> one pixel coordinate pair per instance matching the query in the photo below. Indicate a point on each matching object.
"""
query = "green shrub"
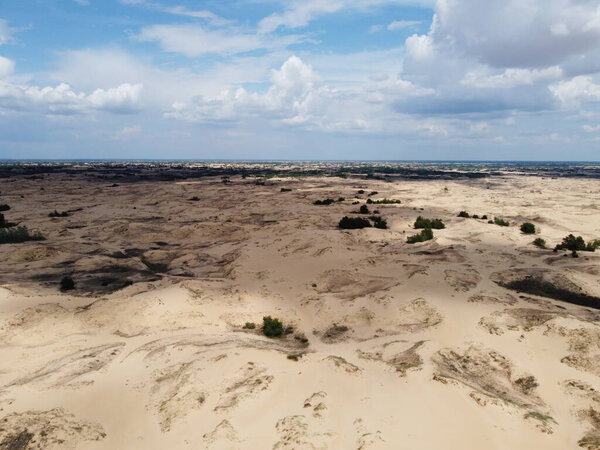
(353, 223)
(67, 284)
(484, 217)
(424, 235)
(364, 209)
(55, 213)
(464, 214)
(592, 245)
(528, 228)
(341, 199)
(501, 222)
(195, 199)
(539, 242)
(272, 327)
(286, 190)
(386, 201)
(361, 192)
(327, 201)
(572, 243)
(4, 207)
(373, 193)
(249, 326)
(475, 216)
(18, 234)
(435, 224)
(379, 222)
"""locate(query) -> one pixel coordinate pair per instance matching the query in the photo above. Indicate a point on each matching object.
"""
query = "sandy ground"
(409, 346)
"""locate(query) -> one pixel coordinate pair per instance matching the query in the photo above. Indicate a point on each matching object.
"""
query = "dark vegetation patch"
(249, 326)
(425, 235)
(353, 223)
(4, 223)
(55, 213)
(379, 222)
(435, 224)
(4, 207)
(540, 243)
(286, 189)
(364, 209)
(326, 202)
(195, 198)
(17, 235)
(17, 441)
(271, 327)
(67, 284)
(528, 228)
(384, 201)
(501, 222)
(464, 214)
(576, 244)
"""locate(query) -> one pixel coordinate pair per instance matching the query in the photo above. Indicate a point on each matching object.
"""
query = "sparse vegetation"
(327, 201)
(249, 326)
(341, 199)
(484, 217)
(435, 224)
(379, 222)
(361, 191)
(528, 228)
(464, 214)
(195, 199)
(540, 243)
(424, 235)
(272, 327)
(575, 244)
(4, 207)
(373, 193)
(67, 283)
(364, 209)
(353, 223)
(18, 234)
(501, 222)
(286, 189)
(385, 201)
(55, 213)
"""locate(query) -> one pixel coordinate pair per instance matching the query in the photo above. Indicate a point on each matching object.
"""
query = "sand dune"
(475, 339)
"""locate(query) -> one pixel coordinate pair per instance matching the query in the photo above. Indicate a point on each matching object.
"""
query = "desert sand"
(391, 345)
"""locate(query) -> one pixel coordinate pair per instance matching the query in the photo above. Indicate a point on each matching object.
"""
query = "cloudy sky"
(300, 79)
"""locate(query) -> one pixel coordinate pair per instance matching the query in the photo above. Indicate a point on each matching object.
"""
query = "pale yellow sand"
(409, 346)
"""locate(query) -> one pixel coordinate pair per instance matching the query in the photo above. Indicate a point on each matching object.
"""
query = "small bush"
(491, 221)
(484, 217)
(592, 245)
(528, 228)
(435, 224)
(286, 190)
(464, 214)
(373, 193)
(353, 223)
(364, 209)
(67, 284)
(475, 216)
(379, 222)
(18, 234)
(355, 203)
(4, 207)
(386, 201)
(249, 326)
(540, 243)
(55, 213)
(501, 222)
(327, 201)
(195, 199)
(341, 199)
(424, 235)
(272, 327)
(361, 192)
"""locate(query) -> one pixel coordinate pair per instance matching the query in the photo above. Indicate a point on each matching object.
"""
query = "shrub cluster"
(379, 222)
(364, 209)
(249, 326)
(435, 224)
(327, 201)
(18, 234)
(501, 222)
(55, 213)
(466, 215)
(67, 284)
(272, 327)
(353, 223)
(373, 193)
(575, 244)
(4, 207)
(286, 189)
(384, 201)
(528, 228)
(425, 235)
(540, 243)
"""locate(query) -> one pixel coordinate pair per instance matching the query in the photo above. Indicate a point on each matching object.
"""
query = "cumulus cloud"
(62, 100)
(7, 67)
(572, 93)
(401, 24)
(5, 32)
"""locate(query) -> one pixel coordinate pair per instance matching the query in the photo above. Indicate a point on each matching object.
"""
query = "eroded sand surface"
(393, 345)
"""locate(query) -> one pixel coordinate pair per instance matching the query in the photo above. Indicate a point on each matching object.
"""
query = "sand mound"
(396, 355)
(349, 286)
(517, 319)
(462, 280)
(54, 429)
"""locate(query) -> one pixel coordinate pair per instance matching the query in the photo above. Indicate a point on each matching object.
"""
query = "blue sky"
(271, 79)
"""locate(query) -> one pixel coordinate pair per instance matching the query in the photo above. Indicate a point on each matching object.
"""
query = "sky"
(300, 79)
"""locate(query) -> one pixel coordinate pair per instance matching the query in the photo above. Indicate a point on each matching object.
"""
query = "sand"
(391, 346)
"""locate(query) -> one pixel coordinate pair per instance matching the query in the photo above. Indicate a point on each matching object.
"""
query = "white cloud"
(572, 93)
(63, 100)
(591, 128)
(194, 40)
(511, 77)
(5, 32)
(7, 67)
(401, 24)
(179, 11)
